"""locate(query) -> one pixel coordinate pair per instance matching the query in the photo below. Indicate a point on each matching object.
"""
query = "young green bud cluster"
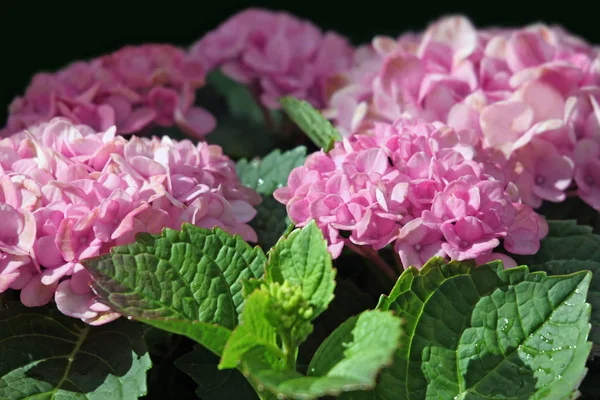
(289, 312)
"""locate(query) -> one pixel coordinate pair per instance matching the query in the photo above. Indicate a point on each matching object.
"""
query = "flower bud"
(288, 311)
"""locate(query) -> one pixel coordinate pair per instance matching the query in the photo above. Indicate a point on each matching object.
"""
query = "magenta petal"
(164, 102)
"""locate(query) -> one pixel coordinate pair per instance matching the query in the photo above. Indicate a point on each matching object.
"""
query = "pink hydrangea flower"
(420, 186)
(278, 53)
(520, 92)
(68, 193)
(587, 171)
(132, 88)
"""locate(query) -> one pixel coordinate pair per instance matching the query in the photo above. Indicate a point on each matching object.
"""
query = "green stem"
(264, 395)
(289, 349)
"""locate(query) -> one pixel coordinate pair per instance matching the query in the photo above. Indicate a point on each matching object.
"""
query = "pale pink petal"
(73, 304)
(196, 122)
(137, 119)
(53, 275)
(503, 123)
(101, 319)
(36, 294)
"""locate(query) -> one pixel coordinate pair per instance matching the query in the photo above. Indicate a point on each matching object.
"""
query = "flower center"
(464, 243)
(417, 247)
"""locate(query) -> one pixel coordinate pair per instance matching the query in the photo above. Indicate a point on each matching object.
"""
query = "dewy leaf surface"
(272, 171)
(312, 122)
(350, 359)
(485, 333)
(302, 259)
(569, 248)
(47, 355)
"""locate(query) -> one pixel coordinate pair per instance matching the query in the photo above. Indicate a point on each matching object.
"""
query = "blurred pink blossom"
(132, 88)
(280, 53)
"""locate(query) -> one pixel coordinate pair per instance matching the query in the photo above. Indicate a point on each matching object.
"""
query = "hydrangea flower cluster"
(532, 94)
(276, 53)
(131, 88)
(69, 193)
(417, 185)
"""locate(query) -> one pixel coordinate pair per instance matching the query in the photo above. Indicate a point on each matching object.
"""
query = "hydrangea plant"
(281, 214)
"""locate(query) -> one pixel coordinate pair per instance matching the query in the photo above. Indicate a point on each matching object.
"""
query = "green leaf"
(265, 176)
(194, 274)
(569, 248)
(240, 139)
(47, 355)
(312, 122)
(348, 360)
(302, 259)
(486, 332)
(251, 285)
(349, 301)
(272, 171)
(188, 282)
(254, 331)
(242, 127)
(402, 285)
(271, 221)
(212, 336)
(239, 99)
(214, 384)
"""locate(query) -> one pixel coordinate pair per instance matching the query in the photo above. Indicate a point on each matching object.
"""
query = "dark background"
(46, 35)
